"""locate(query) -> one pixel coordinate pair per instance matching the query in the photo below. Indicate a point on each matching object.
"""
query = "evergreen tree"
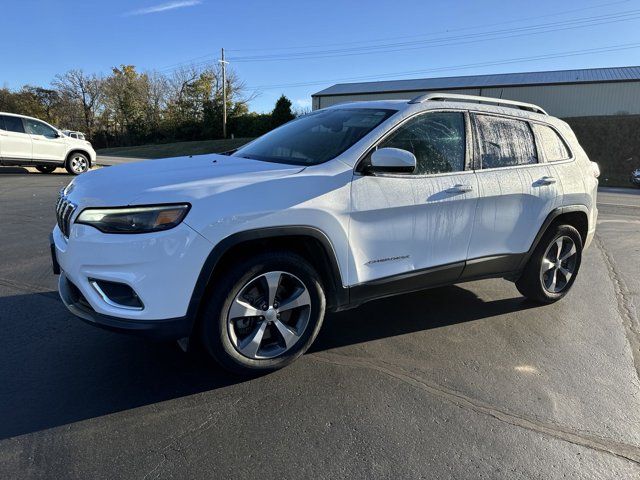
(282, 112)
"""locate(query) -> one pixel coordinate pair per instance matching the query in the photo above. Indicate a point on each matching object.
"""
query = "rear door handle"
(546, 181)
(460, 188)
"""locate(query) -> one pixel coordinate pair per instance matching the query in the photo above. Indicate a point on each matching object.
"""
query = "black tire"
(75, 159)
(215, 327)
(45, 168)
(531, 283)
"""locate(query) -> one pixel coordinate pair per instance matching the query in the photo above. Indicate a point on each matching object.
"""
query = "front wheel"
(554, 265)
(77, 163)
(263, 313)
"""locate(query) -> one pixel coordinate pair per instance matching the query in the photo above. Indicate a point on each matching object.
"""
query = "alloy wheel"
(79, 164)
(269, 315)
(558, 264)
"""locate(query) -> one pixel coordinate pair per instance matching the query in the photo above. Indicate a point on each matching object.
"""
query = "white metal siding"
(575, 100)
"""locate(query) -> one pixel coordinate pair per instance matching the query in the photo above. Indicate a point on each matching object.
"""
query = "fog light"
(119, 295)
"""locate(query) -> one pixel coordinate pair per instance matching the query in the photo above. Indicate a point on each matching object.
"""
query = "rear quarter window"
(553, 146)
(13, 124)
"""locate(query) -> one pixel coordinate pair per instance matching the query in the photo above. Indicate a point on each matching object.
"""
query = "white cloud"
(163, 7)
(302, 103)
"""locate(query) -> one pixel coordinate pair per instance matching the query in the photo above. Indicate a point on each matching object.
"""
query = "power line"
(574, 53)
(449, 41)
(430, 34)
(439, 42)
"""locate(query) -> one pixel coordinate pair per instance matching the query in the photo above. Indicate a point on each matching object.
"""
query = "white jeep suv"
(29, 142)
(247, 251)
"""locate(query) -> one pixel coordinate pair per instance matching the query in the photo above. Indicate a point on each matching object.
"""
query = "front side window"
(315, 138)
(436, 139)
(552, 145)
(13, 124)
(504, 142)
(34, 127)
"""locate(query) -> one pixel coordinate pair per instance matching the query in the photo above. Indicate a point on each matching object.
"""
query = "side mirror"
(392, 160)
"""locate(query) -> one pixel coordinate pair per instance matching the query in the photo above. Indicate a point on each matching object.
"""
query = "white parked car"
(347, 204)
(29, 142)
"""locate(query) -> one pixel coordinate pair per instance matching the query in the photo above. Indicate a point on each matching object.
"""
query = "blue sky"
(315, 42)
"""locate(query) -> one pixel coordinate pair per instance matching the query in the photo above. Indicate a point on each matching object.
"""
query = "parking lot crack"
(28, 288)
(625, 305)
(612, 447)
(176, 444)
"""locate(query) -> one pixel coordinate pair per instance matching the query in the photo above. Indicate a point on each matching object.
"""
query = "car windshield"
(315, 138)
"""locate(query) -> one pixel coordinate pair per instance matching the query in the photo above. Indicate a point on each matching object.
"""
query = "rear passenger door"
(516, 191)
(15, 143)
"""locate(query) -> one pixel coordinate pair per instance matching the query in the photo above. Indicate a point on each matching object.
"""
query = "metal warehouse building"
(563, 93)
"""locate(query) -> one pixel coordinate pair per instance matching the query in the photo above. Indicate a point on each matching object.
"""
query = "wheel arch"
(575, 215)
(309, 242)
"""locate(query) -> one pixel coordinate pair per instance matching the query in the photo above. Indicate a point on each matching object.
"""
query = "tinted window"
(315, 138)
(553, 146)
(38, 128)
(436, 139)
(13, 124)
(504, 142)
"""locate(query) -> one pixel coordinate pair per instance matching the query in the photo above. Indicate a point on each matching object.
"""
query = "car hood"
(180, 179)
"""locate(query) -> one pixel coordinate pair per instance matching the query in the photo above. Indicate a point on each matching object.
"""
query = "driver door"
(416, 228)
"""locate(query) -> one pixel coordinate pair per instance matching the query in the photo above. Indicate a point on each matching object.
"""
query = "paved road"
(469, 381)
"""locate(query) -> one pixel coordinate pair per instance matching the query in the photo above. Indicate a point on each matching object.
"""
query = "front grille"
(64, 212)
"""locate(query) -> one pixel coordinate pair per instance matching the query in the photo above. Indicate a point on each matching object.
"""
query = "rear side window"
(436, 139)
(504, 142)
(551, 144)
(13, 124)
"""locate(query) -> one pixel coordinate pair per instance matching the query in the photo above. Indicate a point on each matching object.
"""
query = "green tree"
(282, 112)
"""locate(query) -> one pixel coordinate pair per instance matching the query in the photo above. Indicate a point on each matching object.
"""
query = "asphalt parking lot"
(469, 381)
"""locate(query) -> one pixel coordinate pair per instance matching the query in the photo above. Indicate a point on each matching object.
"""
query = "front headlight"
(145, 219)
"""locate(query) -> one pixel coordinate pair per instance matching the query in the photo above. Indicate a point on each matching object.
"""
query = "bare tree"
(87, 90)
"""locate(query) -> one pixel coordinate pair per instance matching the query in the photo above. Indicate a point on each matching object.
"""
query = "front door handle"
(546, 181)
(460, 188)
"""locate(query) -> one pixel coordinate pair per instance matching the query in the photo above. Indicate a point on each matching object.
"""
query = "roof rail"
(475, 98)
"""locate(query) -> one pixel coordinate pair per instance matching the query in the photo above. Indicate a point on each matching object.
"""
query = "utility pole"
(224, 95)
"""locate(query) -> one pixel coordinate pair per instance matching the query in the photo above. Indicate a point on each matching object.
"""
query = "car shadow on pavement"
(56, 370)
(409, 313)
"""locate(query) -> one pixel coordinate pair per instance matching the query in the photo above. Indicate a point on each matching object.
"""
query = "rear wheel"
(45, 168)
(263, 314)
(554, 265)
(77, 163)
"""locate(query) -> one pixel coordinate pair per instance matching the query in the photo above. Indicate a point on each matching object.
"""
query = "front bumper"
(166, 329)
(162, 268)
